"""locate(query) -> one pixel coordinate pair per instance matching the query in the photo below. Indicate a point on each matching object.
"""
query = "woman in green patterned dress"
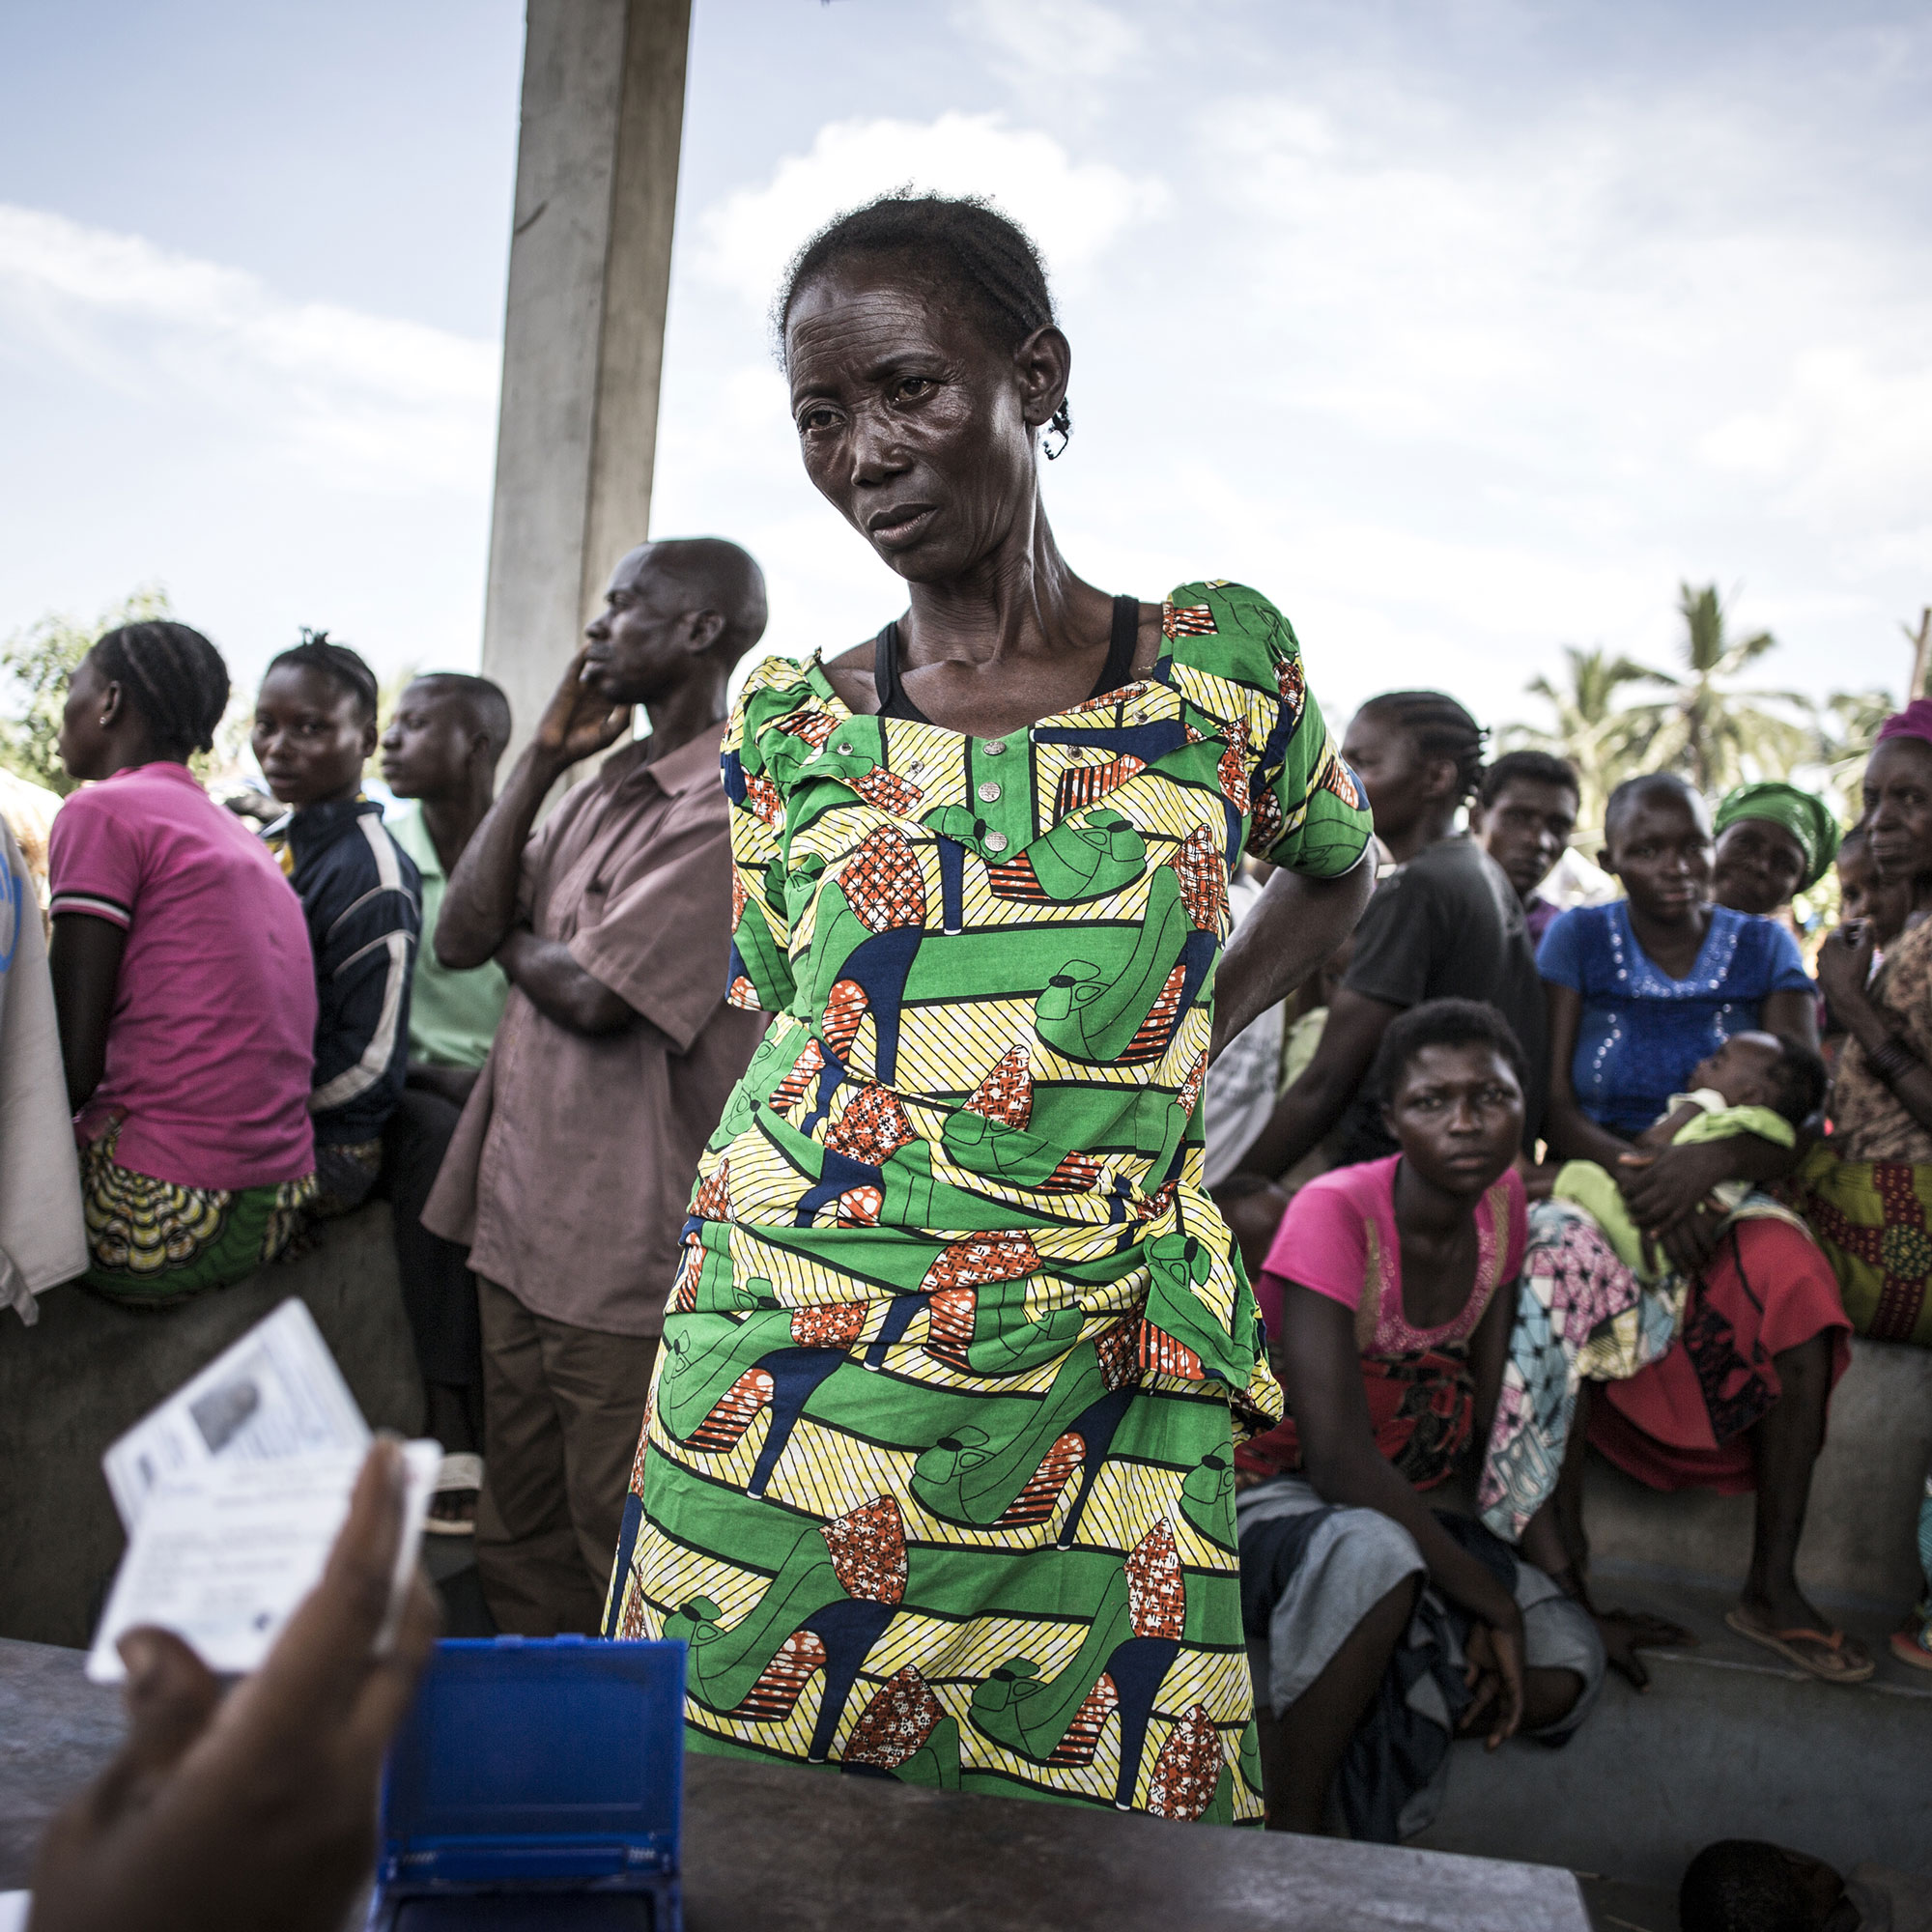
(936, 1477)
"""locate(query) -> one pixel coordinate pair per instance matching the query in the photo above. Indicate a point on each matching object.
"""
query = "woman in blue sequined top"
(1639, 992)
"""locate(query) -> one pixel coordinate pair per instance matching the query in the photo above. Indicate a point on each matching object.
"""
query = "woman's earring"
(1062, 425)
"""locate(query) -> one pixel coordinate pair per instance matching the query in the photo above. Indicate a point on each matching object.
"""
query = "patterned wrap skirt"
(152, 1242)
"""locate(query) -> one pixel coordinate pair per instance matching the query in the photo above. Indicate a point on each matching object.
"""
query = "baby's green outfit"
(1592, 1187)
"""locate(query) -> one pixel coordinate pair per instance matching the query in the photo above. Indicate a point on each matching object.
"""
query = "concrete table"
(783, 1849)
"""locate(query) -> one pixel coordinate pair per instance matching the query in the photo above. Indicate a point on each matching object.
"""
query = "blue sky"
(1464, 330)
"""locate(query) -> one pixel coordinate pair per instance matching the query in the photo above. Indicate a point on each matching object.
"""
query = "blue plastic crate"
(536, 1784)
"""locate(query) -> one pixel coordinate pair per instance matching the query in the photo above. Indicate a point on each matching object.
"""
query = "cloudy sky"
(1466, 331)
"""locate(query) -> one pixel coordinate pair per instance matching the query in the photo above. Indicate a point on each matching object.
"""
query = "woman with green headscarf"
(1774, 841)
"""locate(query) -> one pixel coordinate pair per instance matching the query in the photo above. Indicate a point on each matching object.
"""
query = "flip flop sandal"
(1785, 1643)
(1914, 1646)
(459, 1475)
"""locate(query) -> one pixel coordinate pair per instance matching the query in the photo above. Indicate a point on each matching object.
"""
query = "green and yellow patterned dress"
(936, 1478)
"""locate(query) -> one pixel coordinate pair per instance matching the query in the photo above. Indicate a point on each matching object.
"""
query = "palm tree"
(1591, 729)
(1716, 734)
(1846, 729)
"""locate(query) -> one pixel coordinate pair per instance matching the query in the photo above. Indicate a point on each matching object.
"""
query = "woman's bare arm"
(1298, 925)
(85, 961)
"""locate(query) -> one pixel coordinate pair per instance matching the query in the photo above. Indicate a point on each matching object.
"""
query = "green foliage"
(1602, 741)
(1715, 730)
(35, 666)
(1717, 735)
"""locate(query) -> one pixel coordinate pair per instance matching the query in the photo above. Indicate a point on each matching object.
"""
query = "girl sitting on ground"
(183, 983)
(1392, 1627)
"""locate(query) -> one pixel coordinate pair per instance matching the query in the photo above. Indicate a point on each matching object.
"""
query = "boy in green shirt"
(440, 755)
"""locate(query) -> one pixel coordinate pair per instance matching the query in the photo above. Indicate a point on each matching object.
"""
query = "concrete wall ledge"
(89, 1370)
(1861, 1531)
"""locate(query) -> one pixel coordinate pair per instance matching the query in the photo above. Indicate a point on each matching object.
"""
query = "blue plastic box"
(536, 1784)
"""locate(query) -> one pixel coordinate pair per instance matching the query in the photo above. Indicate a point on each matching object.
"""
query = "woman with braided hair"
(936, 1478)
(181, 981)
(1445, 923)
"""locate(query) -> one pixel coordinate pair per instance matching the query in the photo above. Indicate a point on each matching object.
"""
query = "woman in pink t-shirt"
(1388, 1295)
(183, 981)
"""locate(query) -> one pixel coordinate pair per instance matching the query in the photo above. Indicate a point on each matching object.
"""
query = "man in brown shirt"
(570, 1171)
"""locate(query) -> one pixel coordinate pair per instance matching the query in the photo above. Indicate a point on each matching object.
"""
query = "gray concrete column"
(603, 115)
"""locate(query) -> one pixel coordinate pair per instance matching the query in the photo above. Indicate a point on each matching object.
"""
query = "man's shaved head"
(720, 576)
(483, 701)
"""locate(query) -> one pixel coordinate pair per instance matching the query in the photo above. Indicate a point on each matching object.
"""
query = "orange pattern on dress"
(833, 1324)
(882, 882)
(741, 896)
(897, 1722)
(1016, 880)
(872, 1127)
(1036, 1501)
(1162, 1355)
(859, 1207)
(810, 722)
(1118, 1349)
(868, 1550)
(983, 1257)
(1156, 1592)
(1188, 620)
(1188, 1772)
(770, 1700)
(1336, 778)
(743, 995)
(1203, 880)
(1265, 826)
(1082, 1736)
(684, 1284)
(889, 792)
(790, 1091)
(949, 1326)
(845, 1009)
(1085, 783)
(1189, 1090)
(1150, 1041)
(1233, 767)
(731, 1416)
(1072, 1173)
(1005, 1094)
(762, 796)
(712, 1199)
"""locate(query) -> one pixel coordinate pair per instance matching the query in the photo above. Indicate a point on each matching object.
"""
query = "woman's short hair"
(961, 247)
(1440, 727)
(1443, 1023)
(172, 676)
(335, 662)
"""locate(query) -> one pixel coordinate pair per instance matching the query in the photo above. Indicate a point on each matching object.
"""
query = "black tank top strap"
(894, 699)
(1125, 635)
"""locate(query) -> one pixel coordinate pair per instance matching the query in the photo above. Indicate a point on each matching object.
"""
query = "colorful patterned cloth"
(1866, 1191)
(936, 1475)
(153, 1242)
(1873, 1219)
(1580, 1315)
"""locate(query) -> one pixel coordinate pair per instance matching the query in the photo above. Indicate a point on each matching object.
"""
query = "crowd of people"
(1055, 1212)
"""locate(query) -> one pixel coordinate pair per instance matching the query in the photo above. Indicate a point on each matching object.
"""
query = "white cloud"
(369, 402)
(1051, 41)
(1074, 210)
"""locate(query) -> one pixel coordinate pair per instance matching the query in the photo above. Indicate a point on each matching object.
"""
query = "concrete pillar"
(603, 115)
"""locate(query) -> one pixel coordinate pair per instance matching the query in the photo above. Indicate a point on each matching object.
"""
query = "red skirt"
(1681, 1423)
